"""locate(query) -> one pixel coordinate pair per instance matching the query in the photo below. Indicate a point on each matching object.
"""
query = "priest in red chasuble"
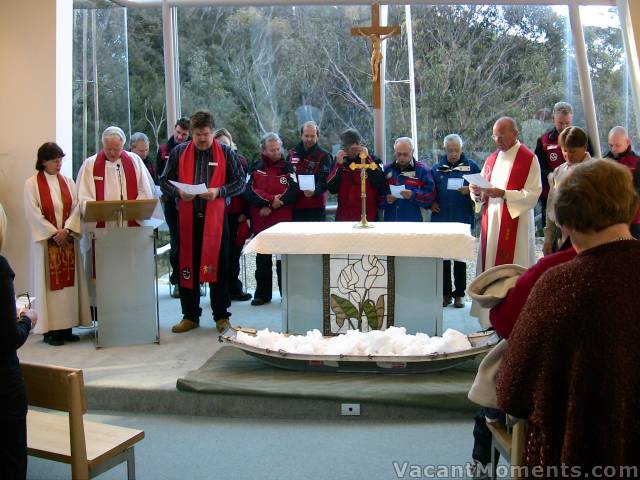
(111, 174)
(508, 231)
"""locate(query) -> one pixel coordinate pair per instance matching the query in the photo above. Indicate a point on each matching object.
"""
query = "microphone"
(119, 180)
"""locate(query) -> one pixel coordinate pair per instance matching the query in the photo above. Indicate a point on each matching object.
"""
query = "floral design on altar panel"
(358, 293)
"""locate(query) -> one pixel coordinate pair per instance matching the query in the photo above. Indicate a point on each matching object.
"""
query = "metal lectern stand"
(126, 291)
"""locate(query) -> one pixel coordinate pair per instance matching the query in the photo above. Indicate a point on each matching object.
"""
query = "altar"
(336, 277)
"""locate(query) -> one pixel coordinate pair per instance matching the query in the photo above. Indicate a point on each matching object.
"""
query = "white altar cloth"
(400, 239)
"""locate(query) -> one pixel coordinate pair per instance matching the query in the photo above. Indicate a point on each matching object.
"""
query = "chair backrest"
(53, 387)
(61, 388)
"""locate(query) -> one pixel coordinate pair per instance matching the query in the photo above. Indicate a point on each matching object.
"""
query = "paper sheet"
(455, 183)
(307, 182)
(478, 180)
(190, 189)
(396, 189)
(22, 302)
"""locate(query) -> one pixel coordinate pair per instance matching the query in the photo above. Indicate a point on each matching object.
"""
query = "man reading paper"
(507, 233)
(202, 219)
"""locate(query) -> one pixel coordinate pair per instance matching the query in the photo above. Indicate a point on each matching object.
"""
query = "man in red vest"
(620, 150)
(507, 234)
(271, 192)
(202, 220)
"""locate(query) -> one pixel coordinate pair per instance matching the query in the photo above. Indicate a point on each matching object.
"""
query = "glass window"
(146, 75)
(475, 63)
(100, 74)
(273, 68)
(608, 71)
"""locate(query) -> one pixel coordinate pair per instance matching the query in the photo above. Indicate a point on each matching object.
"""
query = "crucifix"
(376, 34)
(363, 166)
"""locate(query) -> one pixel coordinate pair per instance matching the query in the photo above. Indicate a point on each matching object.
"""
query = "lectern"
(125, 273)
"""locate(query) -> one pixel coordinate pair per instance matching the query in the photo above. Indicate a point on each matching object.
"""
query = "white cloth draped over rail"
(68, 307)
(520, 204)
(408, 239)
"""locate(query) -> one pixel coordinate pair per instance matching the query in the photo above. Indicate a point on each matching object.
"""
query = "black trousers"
(233, 278)
(459, 278)
(482, 435)
(171, 217)
(219, 291)
(264, 276)
(309, 214)
(13, 425)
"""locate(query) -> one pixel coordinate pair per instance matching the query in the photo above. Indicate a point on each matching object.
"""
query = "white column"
(170, 77)
(64, 82)
(633, 63)
(586, 91)
(412, 81)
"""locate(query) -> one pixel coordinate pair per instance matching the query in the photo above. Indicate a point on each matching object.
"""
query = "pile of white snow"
(389, 342)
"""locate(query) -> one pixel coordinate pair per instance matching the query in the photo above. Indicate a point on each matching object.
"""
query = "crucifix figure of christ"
(376, 34)
(363, 166)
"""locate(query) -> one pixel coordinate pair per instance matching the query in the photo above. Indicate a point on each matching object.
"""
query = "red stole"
(508, 226)
(62, 260)
(129, 175)
(213, 219)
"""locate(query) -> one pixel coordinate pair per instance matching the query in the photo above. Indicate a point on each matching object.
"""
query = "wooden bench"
(90, 448)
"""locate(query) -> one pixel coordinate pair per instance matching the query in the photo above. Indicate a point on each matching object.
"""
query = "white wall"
(35, 94)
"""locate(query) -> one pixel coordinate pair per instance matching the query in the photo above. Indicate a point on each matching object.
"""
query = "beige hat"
(493, 285)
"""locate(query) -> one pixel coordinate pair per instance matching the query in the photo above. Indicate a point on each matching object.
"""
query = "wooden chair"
(509, 442)
(90, 448)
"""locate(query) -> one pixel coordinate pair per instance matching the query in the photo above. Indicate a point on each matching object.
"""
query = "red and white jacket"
(266, 180)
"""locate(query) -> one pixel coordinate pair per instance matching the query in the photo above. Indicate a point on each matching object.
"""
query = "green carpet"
(230, 371)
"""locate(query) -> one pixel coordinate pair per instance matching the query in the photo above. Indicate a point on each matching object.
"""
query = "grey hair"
(618, 130)
(403, 140)
(563, 107)
(310, 123)
(138, 137)
(113, 132)
(452, 137)
(268, 137)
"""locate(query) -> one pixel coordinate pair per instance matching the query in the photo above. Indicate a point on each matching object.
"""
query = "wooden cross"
(363, 166)
(376, 34)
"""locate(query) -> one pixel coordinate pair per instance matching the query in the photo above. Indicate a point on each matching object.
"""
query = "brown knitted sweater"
(573, 363)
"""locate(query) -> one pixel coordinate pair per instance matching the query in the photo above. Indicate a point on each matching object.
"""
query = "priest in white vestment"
(57, 278)
(111, 174)
(508, 230)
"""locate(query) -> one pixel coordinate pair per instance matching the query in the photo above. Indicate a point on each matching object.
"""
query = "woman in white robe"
(62, 308)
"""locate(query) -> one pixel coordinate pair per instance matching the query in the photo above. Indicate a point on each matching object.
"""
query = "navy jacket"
(454, 206)
(415, 177)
